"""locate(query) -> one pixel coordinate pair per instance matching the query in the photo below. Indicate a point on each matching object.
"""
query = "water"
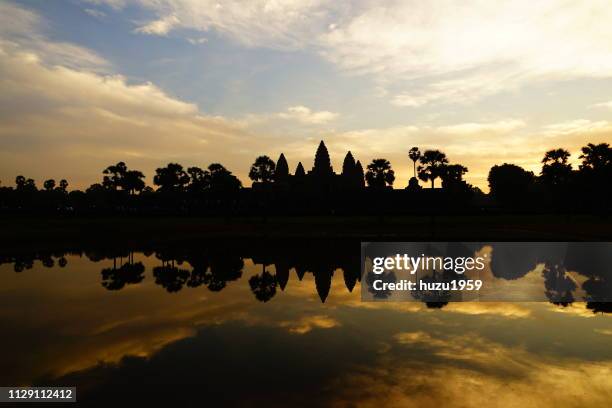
(245, 324)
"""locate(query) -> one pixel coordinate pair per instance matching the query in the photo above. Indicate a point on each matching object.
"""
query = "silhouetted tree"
(509, 183)
(452, 177)
(49, 185)
(199, 180)
(380, 174)
(23, 184)
(171, 179)
(596, 157)
(118, 176)
(133, 181)
(113, 176)
(262, 170)
(63, 185)
(415, 155)
(432, 165)
(222, 180)
(556, 171)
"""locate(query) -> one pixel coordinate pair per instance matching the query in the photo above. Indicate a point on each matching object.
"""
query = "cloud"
(196, 41)
(114, 4)
(159, 27)
(21, 31)
(95, 13)
(604, 105)
(63, 122)
(306, 115)
(422, 52)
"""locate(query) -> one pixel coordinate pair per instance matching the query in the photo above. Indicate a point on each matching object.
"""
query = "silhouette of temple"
(321, 177)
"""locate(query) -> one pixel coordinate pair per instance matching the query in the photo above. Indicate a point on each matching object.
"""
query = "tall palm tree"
(432, 165)
(380, 174)
(556, 156)
(596, 157)
(415, 155)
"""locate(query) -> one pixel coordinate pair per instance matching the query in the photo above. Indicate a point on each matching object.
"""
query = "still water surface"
(254, 330)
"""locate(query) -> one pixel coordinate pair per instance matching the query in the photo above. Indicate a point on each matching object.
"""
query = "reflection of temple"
(321, 178)
(215, 264)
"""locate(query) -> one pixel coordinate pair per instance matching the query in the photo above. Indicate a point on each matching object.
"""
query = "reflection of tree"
(386, 277)
(170, 277)
(126, 274)
(223, 268)
(600, 307)
(263, 286)
(116, 278)
(558, 286)
(435, 299)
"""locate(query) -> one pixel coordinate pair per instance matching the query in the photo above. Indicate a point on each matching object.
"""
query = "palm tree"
(113, 175)
(432, 165)
(380, 174)
(556, 156)
(262, 170)
(49, 185)
(63, 185)
(555, 169)
(133, 181)
(596, 157)
(415, 155)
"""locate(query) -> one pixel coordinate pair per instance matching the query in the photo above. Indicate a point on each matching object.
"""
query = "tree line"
(177, 188)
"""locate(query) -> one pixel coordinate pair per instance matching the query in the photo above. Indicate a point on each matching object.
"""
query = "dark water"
(281, 324)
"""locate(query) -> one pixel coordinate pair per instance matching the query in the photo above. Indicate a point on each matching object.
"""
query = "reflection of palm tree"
(263, 286)
(386, 277)
(170, 277)
(127, 274)
(558, 285)
(434, 298)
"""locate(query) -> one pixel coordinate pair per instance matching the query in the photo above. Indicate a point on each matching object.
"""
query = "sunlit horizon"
(89, 83)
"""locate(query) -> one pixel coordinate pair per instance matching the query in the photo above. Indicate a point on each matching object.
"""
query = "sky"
(87, 83)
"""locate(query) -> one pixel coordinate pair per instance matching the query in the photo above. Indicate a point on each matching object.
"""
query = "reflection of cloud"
(575, 309)
(308, 323)
(484, 371)
(510, 310)
(541, 384)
